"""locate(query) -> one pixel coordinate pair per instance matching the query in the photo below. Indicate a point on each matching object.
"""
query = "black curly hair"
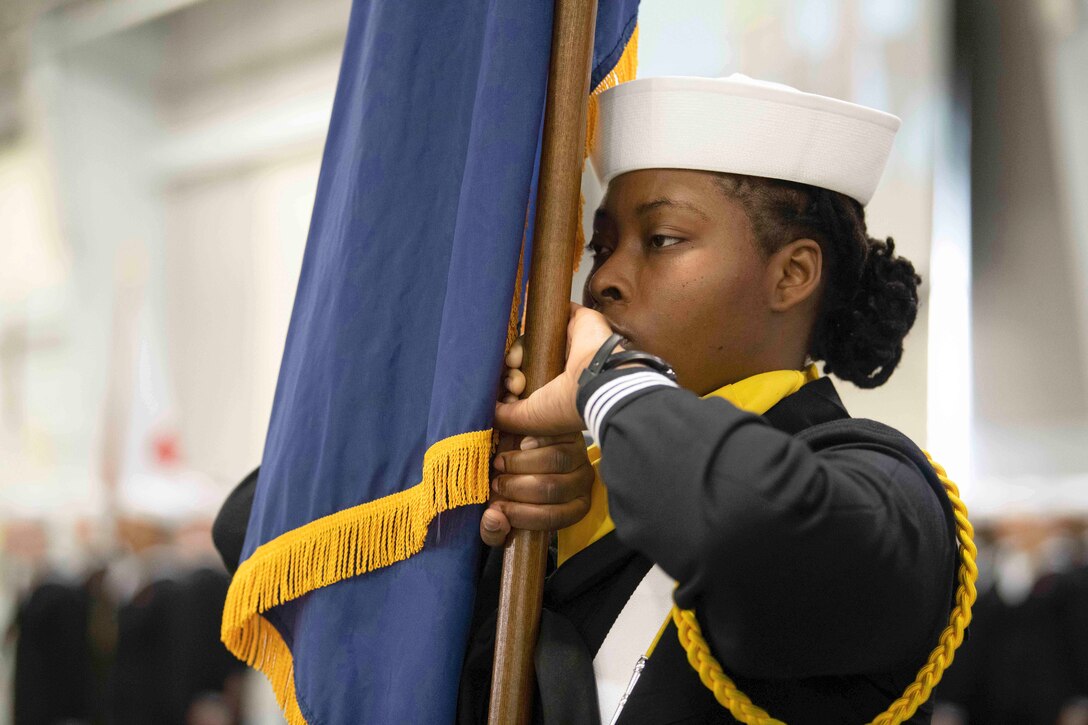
(870, 297)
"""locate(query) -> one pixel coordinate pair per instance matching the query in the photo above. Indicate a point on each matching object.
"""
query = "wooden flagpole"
(557, 215)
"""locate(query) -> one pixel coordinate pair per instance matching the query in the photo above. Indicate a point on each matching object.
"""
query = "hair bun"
(862, 340)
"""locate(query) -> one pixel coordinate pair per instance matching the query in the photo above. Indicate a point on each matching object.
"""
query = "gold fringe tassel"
(262, 648)
(516, 324)
(344, 545)
(623, 71)
(917, 692)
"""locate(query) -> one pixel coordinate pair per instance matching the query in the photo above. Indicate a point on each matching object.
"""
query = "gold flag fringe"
(623, 71)
(343, 545)
(262, 648)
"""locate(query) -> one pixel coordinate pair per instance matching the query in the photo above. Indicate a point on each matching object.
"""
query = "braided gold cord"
(738, 704)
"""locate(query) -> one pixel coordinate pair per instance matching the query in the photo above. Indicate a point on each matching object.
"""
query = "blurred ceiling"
(37, 26)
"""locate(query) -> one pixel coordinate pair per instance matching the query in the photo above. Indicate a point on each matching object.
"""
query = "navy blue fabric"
(397, 333)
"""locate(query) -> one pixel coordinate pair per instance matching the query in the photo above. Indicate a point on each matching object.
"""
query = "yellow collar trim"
(756, 394)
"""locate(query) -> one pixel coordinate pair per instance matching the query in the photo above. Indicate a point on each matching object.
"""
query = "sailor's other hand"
(543, 485)
(552, 409)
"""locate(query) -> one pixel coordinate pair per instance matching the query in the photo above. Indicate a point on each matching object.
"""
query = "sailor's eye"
(596, 249)
(659, 241)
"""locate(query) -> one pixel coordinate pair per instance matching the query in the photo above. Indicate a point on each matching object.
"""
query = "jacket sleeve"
(797, 562)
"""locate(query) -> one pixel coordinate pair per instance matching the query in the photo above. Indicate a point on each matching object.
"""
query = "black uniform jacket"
(818, 552)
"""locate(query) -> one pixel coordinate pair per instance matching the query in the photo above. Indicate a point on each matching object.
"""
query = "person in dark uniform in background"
(53, 657)
(1027, 661)
(817, 551)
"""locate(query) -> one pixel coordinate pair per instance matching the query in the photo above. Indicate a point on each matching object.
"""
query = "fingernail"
(500, 464)
(528, 443)
(509, 381)
(491, 523)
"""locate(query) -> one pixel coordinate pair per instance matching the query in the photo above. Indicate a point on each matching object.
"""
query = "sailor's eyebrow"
(649, 206)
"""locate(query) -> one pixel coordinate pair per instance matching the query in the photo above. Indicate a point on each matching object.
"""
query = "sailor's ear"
(795, 272)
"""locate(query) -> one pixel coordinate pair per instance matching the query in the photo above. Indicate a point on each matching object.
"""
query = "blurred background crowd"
(158, 161)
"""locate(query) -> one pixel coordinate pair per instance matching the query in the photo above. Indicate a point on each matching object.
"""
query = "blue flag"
(357, 579)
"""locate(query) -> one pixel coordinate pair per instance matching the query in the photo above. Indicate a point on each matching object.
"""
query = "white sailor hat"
(742, 126)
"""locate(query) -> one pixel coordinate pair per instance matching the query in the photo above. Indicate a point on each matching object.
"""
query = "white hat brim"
(742, 126)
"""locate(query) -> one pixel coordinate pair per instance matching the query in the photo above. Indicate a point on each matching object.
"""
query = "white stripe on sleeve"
(612, 392)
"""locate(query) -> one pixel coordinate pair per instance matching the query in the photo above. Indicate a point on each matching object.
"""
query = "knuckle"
(521, 517)
(561, 461)
(511, 462)
(545, 490)
(551, 491)
(558, 518)
(551, 520)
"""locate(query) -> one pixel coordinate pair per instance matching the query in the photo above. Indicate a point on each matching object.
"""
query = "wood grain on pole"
(545, 337)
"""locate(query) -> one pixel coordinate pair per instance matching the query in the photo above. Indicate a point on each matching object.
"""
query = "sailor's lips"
(626, 341)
